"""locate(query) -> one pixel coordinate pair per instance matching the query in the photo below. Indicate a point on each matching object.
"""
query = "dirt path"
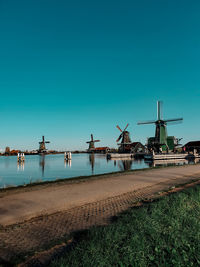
(54, 211)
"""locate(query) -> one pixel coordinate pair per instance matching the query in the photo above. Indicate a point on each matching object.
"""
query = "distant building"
(190, 146)
(15, 152)
(137, 147)
(7, 150)
(100, 149)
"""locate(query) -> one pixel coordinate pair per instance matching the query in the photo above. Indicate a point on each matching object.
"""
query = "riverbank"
(34, 218)
(44, 199)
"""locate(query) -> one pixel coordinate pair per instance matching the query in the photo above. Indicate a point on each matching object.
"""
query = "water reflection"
(20, 165)
(92, 161)
(171, 162)
(51, 167)
(67, 162)
(42, 163)
(125, 165)
(194, 161)
(7, 161)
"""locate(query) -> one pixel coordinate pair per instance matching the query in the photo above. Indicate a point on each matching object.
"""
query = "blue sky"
(72, 68)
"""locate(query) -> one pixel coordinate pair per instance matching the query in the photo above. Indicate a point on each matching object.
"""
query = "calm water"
(51, 167)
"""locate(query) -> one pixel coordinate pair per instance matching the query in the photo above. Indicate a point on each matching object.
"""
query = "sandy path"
(23, 204)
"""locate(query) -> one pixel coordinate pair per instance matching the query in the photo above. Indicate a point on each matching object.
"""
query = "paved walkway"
(35, 218)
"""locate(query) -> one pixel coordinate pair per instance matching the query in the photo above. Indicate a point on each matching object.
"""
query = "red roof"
(101, 148)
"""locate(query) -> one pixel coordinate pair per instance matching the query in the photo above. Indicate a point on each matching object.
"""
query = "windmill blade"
(145, 122)
(47, 142)
(91, 137)
(126, 126)
(159, 110)
(119, 128)
(96, 140)
(172, 120)
(119, 138)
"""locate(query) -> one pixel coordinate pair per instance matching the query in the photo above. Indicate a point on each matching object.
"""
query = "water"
(39, 168)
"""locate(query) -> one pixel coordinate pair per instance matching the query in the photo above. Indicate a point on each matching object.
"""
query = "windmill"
(125, 144)
(42, 147)
(91, 144)
(161, 141)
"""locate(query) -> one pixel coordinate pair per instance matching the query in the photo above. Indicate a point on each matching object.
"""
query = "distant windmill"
(42, 147)
(91, 143)
(162, 141)
(125, 139)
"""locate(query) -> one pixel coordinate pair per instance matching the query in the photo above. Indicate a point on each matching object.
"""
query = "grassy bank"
(162, 233)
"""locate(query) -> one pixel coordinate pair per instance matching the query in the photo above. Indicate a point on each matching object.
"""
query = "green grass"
(163, 233)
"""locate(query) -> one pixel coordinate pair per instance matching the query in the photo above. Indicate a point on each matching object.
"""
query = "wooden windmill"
(161, 141)
(91, 144)
(125, 144)
(42, 147)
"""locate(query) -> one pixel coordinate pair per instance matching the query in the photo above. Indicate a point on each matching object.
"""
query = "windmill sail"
(173, 120)
(145, 122)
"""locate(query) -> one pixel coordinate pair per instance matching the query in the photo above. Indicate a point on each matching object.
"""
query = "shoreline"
(44, 154)
(79, 179)
(24, 203)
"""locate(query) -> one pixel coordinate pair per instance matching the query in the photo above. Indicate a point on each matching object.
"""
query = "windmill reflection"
(125, 165)
(92, 161)
(42, 163)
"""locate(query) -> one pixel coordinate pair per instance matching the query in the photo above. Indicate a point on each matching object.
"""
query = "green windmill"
(161, 141)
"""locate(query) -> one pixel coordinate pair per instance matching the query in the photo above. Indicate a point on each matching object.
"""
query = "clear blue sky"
(72, 68)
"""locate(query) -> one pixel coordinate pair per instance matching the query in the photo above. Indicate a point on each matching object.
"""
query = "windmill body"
(125, 145)
(42, 145)
(161, 142)
(91, 144)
